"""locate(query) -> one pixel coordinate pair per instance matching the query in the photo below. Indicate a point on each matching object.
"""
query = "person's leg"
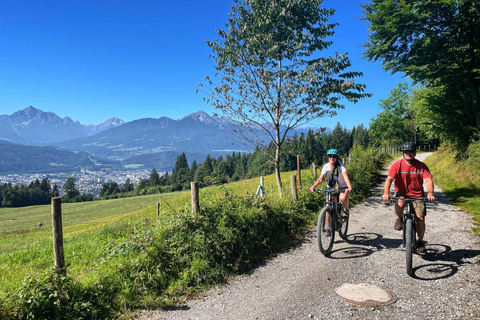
(420, 212)
(399, 205)
(420, 227)
(344, 200)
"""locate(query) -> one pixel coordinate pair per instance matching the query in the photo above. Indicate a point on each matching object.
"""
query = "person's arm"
(386, 189)
(430, 189)
(347, 181)
(318, 182)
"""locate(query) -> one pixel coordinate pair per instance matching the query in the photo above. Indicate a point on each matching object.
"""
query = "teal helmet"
(333, 152)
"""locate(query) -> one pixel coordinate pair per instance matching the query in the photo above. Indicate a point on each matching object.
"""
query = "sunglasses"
(330, 156)
(408, 152)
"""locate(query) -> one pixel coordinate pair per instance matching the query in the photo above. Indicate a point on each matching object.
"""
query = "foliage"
(55, 296)
(363, 170)
(70, 189)
(436, 44)
(271, 79)
(458, 175)
(20, 195)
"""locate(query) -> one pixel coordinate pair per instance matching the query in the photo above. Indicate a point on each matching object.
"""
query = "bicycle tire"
(325, 240)
(409, 245)
(343, 221)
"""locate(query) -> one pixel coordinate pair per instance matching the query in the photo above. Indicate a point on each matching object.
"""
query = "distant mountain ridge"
(143, 143)
(33, 126)
(195, 133)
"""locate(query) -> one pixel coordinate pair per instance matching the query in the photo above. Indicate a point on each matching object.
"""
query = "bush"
(54, 296)
(363, 171)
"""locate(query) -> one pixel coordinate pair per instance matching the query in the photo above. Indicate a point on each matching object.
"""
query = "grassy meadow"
(26, 248)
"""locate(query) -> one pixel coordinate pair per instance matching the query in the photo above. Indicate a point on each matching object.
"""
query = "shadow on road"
(445, 262)
(363, 244)
(442, 261)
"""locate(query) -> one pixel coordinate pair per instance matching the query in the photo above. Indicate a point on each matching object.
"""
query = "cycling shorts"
(419, 205)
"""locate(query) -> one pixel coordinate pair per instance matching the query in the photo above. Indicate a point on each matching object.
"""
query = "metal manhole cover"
(365, 295)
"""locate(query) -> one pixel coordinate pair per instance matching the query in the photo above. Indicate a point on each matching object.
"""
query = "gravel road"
(300, 283)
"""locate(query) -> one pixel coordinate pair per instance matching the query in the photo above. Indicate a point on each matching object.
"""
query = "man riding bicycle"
(409, 175)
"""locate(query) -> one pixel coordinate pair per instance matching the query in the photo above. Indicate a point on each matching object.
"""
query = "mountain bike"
(332, 218)
(409, 229)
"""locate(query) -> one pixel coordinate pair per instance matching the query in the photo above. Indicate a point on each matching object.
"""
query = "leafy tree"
(395, 124)
(70, 189)
(340, 139)
(435, 43)
(271, 78)
(127, 186)
(360, 136)
(154, 179)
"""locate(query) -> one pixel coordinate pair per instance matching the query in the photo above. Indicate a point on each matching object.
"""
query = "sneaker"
(421, 247)
(398, 224)
(328, 232)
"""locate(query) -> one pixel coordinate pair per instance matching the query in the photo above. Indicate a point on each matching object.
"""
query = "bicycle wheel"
(343, 228)
(409, 244)
(325, 231)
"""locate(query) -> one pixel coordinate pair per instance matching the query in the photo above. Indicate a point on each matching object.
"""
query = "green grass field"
(26, 233)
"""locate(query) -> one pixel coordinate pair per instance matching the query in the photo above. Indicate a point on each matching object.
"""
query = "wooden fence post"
(57, 230)
(158, 209)
(314, 170)
(299, 175)
(195, 200)
(294, 187)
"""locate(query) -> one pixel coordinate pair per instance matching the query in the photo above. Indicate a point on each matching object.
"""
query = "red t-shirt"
(409, 178)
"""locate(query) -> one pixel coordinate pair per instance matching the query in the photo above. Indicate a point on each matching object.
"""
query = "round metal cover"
(365, 295)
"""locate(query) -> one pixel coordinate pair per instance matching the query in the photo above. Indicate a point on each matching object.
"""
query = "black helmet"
(408, 146)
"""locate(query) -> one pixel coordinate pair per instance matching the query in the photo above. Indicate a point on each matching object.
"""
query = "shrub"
(54, 296)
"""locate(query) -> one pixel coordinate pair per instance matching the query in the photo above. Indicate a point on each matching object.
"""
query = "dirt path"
(301, 283)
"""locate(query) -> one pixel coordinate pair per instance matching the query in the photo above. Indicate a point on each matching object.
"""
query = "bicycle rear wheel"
(343, 228)
(325, 231)
(409, 244)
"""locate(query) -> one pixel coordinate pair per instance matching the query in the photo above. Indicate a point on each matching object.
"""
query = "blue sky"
(131, 59)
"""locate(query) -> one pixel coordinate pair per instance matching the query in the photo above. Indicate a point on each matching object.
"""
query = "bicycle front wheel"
(325, 231)
(409, 244)
(342, 231)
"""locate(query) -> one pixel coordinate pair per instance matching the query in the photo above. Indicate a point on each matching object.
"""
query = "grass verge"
(459, 178)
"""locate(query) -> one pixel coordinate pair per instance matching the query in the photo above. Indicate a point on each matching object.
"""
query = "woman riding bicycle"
(341, 178)
(409, 175)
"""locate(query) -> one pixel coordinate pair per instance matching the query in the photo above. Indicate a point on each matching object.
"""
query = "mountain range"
(33, 126)
(31, 134)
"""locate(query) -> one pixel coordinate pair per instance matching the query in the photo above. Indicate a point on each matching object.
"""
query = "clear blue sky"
(131, 59)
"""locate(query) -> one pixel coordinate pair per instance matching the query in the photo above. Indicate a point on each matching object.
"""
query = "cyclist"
(342, 178)
(409, 175)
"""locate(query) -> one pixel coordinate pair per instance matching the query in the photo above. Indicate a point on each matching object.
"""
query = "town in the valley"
(87, 182)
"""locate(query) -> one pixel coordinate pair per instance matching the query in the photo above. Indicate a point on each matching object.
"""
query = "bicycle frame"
(331, 201)
(409, 229)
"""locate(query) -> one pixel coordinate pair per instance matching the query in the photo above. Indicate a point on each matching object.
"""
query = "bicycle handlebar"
(423, 199)
(333, 192)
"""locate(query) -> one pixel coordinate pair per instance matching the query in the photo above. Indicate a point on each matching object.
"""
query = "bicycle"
(409, 229)
(330, 220)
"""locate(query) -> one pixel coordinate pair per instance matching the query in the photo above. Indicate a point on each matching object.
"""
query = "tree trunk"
(277, 170)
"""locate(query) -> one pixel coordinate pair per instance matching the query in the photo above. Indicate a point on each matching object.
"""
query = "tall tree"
(271, 77)
(70, 189)
(154, 179)
(437, 44)
(395, 124)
